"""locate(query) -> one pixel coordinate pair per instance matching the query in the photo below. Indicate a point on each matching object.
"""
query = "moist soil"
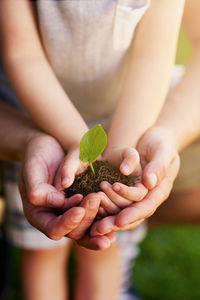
(86, 182)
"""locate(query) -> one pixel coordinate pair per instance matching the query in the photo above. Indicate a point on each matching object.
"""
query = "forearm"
(32, 77)
(15, 131)
(43, 97)
(140, 102)
(181, 113)
(148, 75)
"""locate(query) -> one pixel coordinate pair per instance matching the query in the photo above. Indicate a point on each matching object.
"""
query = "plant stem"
(91, 166)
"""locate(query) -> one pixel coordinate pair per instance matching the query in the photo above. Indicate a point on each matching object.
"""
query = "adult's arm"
(15, 131)
(181, 113)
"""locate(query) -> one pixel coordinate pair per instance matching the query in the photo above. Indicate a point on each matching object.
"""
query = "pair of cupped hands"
(46, 171)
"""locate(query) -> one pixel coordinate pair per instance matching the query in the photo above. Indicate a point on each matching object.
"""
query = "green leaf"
(92, 144)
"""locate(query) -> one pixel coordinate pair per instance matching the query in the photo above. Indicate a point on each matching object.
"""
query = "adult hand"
(40, 198)
(160, 162)
(69, 168)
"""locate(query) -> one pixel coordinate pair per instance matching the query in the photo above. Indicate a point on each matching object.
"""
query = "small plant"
(92, 145)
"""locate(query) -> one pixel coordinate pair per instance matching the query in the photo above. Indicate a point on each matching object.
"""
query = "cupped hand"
(118, 196)
(160, 158)
(43, 204)
(157, 152)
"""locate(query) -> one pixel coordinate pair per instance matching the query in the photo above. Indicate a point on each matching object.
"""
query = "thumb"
(69, 168)
(38, 191)
(130, 161)
(156, 168)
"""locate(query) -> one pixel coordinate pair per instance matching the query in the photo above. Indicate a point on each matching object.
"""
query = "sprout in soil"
(92, 145)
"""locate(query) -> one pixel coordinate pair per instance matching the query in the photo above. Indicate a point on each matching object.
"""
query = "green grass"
(169, 264)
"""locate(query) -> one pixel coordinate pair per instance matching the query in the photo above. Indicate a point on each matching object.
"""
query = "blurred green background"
(168, 267)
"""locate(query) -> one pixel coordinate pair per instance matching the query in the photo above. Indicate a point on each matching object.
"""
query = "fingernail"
(113, 239)
(55, 199)
(126, 169)
(65, 182)
(106, 243)
(116, 187)
(104, 185)
(92, 203)
(152, 179)
(78, 197)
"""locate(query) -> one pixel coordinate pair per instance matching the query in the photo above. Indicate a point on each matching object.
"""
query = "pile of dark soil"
(86, 182)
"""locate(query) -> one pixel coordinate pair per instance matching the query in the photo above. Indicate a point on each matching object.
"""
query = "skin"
(38, 170)
(38, 94)
(41, 155)
(162, 124)
(154, 155)
(159, 147)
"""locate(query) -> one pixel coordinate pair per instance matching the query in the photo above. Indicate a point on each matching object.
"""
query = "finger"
(104, 226)
(70, 167)
(66, 173)
(145, 208)
(107, 204)
(39, 192)
(63, 224)
(45, 219)
(91, 205)
(108, 225)
(132, 193)
(97, 243)
(130, 161)
(130, 226)
(157, 168)
(101, 212)
(55, 227)
(113, 196)
(94, 228)
(75, 200)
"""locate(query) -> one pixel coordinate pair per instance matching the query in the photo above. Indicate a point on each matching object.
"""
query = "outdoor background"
(168, 267)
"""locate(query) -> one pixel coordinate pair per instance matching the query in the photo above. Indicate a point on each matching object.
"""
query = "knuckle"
(51, 234)
(76, 235)
(53, 237)
(133, 154)
(33, 196)
(164, 170)
(150, 213)
(64, 171)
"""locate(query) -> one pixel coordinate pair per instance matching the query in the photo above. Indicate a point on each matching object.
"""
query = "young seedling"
(92, 145)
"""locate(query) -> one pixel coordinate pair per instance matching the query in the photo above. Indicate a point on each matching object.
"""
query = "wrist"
(168, 134)
(29, 135)
(159, 135)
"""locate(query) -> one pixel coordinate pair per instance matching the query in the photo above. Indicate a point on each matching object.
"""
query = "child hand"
(118, 196)
(159, 156)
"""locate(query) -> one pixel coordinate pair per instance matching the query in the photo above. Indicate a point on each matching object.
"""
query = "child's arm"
(32, 77)
(183, 102)
(148, 76)
(146, 83)
(158, 147)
